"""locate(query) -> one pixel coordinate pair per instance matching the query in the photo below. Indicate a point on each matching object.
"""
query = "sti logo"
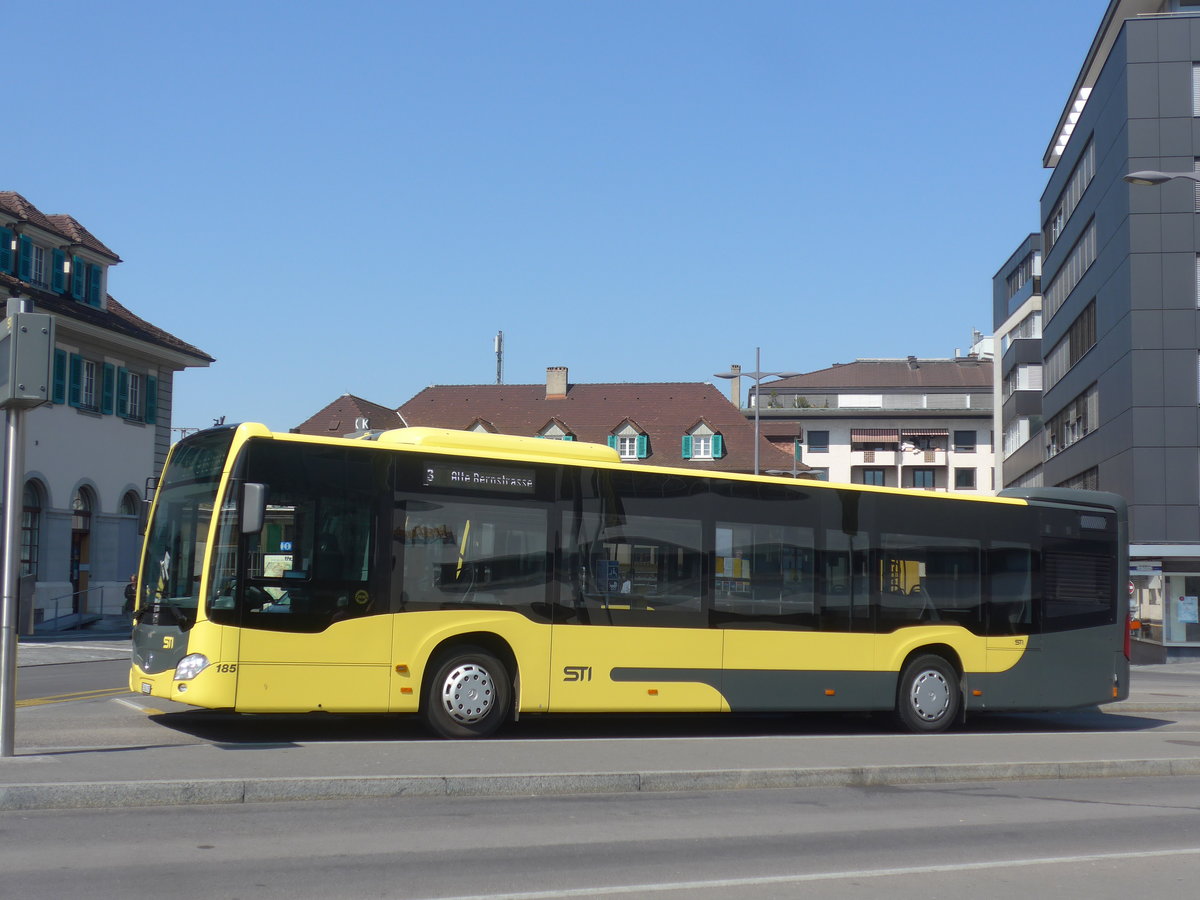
(577, 673)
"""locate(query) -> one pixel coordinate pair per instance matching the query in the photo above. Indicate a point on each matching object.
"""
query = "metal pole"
(757, 400)
(14, 468)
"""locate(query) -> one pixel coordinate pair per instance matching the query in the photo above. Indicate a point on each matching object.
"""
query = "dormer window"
(630, 442)
(86, 281)
(703, 442)
(556, 430)
(480, 425)
(38, 268)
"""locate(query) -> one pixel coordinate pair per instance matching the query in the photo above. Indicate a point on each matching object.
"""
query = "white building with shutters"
(90, 452)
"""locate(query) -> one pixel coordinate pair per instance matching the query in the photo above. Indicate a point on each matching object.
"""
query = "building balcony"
(873, 458)
(924, 458)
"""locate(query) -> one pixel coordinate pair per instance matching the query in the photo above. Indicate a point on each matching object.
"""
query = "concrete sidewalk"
(120, 749)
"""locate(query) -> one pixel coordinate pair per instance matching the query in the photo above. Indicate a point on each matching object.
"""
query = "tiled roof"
(78, 234)
(63, 225)
(591, 412)
(114, 317)
(340, 416)
(970, 373)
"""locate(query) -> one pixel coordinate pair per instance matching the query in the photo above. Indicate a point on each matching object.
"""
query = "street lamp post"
(757, 375)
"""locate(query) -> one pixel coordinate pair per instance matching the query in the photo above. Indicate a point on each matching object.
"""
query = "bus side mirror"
(144, 516)
(254, 507)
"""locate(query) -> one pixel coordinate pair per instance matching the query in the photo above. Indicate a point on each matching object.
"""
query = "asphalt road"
(84, 741)
(1094, 839)
(57, 682)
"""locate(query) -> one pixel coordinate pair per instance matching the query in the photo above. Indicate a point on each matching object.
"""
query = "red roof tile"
(592, 412)
(341, 417)
(63, 225)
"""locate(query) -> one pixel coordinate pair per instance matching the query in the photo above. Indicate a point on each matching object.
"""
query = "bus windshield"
(175, 543)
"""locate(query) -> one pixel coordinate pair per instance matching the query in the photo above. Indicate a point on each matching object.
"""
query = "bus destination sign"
(470, 476)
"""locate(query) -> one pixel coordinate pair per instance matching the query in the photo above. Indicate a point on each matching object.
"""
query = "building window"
(6, 254)
(1077, 419)
(136, 396)
(1030, 267)
(964, 441)
(1029, 328)
(964, 479)
(130, 504)
(38, 271)
(816, 474)
(629, 443)
(873, 476)
(1078, 261)
(87, 386)
(923, 479)
(1025, 377)
(31, 529)
(818, 441)
(1079, 339)
(1080, 178)
(129, 395)
(703, 443)
(1088, 480)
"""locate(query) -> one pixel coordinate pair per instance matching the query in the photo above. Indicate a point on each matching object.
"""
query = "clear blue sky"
(356, 196)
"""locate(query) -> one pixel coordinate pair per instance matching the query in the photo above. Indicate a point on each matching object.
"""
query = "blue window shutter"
(687, 446)
(78, 278)
(76, 382)
(25, 263)
(151, 399)
(93, 285)
(107, 387)
(6, 256)
(797, 452)
(643, 446)
(612, 441)
(718, 446)
(58, 279)
(122, 392)
(568, 437)
(59, 390)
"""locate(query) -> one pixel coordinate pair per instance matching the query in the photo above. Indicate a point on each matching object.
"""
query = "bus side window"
(843, 600)
(1010, 583)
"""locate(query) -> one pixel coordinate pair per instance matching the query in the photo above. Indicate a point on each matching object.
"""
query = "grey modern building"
(1098, 316)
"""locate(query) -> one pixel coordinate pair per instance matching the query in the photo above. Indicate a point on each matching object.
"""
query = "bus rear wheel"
(468, 695)
(927, 697)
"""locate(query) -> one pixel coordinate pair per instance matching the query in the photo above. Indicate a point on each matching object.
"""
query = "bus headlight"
(191, 666)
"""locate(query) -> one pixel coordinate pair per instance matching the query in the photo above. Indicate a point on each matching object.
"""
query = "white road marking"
(768, 880)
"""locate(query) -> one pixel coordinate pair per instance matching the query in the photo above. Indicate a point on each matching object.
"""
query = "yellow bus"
(471, 579)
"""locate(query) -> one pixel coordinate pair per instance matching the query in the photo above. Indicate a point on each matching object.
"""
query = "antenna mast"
(499, 343)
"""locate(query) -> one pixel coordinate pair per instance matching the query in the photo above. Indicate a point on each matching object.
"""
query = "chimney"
(556, 382)
(735, 386)
(912, 363)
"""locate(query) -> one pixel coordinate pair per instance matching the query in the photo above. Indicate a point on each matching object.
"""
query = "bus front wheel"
(468, 695)
(928, 698)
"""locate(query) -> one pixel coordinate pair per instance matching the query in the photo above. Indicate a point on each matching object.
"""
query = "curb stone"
(129, 794)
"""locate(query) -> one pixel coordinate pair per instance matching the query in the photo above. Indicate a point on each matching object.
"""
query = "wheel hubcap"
(468, 693)
(930, 695)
